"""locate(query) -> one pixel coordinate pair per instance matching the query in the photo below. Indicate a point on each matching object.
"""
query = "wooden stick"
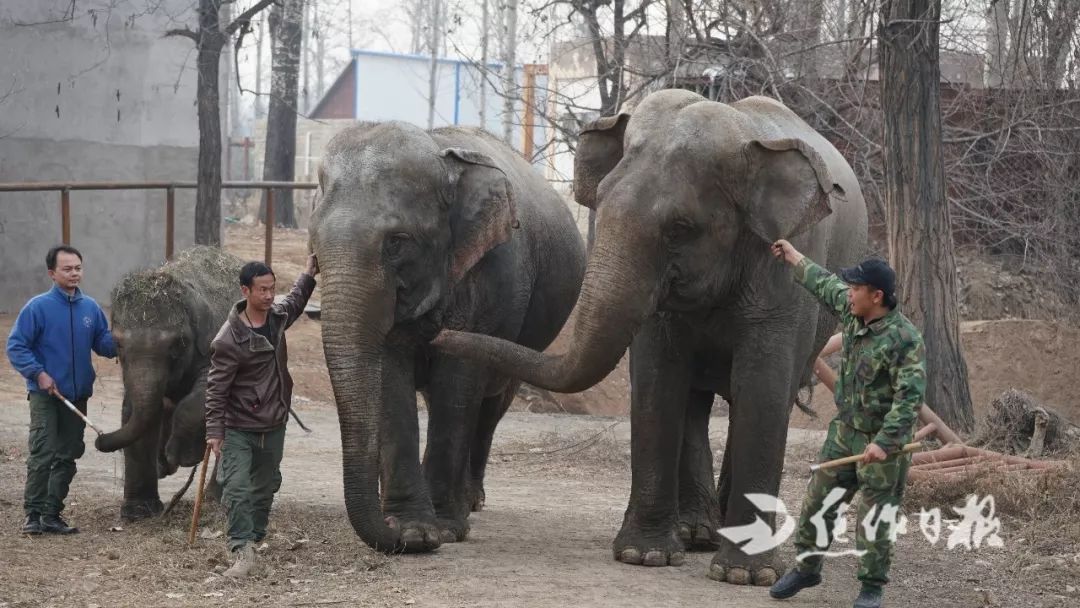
(828, 464)
(71, 406)
(199, 496)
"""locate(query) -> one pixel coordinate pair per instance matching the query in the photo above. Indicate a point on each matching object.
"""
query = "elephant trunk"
(144, 397)
(619, 293)
(357, 313)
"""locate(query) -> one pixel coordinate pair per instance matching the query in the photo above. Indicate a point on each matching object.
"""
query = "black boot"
(868, 598)
(32, 525)
(53, 524)
(792, 583)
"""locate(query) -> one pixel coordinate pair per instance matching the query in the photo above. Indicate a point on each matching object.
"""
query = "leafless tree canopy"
(1010, 96)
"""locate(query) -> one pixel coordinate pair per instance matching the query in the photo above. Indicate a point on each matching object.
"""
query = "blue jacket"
(55, 333)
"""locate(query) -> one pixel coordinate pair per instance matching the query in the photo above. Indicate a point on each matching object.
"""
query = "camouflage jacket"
(882, 377)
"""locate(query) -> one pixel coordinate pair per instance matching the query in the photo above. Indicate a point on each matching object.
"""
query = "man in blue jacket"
(50, 346)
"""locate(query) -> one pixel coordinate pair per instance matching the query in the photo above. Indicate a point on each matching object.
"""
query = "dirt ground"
(557, 486)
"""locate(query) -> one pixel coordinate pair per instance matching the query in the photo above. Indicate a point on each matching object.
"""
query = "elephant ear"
(482, 214)
(201, 320)
(599, 149)
(789, 187)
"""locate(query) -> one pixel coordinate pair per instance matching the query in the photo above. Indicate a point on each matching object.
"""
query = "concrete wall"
(98, 97)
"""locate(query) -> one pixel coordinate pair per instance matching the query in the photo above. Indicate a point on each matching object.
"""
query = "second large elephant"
(416, 231)
(689, 194)
(163, 320)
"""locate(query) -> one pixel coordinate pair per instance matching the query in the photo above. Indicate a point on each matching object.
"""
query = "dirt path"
(544, 539)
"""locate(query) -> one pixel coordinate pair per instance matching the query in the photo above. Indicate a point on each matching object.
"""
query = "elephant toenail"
(677, 559)
(655, 558)
(630, 556)
(738, 576)
(718, 573)
(447, 536)
(765, 577)
(684, 532)
(412, 536)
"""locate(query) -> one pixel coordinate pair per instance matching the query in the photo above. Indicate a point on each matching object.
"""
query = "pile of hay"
(1017, 423)
(155, 297)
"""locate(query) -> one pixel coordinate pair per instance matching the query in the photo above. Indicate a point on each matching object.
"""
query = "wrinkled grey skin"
(689, 194)
(417, 231)
(163, 341)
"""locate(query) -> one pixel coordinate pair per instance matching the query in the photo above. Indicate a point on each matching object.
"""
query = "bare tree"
(434, 29)
(509, 60)
(920, 234)
(279, 163)
(210, 39)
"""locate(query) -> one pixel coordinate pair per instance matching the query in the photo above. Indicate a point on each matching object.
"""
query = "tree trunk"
(208, 194)
(433, 65)
(260, 37)
(920, 238)
(320, 51)
(509, 65)
(279, 163)
(997, 35)
(485, 30)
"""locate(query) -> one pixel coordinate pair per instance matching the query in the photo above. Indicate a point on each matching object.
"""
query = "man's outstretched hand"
(783, 250)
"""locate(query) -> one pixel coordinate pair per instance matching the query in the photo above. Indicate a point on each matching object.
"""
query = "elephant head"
(401, 220)
(685, 191)
(160, 331)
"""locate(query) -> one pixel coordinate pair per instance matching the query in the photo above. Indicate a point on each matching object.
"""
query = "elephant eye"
(396, 242)
(678, 231)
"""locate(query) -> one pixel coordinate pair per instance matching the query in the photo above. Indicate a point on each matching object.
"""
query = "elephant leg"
(456, 388)
(660, 387)
(404, 491)
(491, 412)
(698, 510)
(141, 499)
(763, 387)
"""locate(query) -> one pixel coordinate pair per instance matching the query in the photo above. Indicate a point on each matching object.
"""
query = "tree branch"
(245, 17)
(184, 32)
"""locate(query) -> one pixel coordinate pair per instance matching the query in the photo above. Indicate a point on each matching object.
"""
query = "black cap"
(876, 273)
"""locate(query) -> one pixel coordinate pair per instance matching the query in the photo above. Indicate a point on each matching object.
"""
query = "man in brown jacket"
(248, 395)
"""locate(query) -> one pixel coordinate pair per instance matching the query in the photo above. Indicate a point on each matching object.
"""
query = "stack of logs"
(955, 459)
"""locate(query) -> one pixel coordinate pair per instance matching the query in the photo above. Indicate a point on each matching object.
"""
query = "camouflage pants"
(881, 483)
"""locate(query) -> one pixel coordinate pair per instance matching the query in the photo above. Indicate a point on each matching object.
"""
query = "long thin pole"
(199, 497)
(170, 221)
(65, 216)
(269, 226)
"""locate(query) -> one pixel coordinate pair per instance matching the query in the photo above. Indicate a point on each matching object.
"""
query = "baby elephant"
(163, 320)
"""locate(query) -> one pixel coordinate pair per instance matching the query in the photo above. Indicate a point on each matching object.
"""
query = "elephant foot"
(418, 535)
(476, 502)
(453, 530)
(698, 532)
(731, 565)
(134, 510)
(634, 546)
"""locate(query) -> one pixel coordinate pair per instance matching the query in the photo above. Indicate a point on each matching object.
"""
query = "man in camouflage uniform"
(881, 385)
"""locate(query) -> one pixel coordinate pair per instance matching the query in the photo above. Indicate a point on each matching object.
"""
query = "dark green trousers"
(250, 476)
(880, 483)
(56, 442)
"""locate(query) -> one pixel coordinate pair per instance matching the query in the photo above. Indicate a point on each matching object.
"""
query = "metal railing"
(170, 188)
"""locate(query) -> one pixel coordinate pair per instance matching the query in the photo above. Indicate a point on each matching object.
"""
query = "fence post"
(170, 216)
(269, 226)
(65, 216)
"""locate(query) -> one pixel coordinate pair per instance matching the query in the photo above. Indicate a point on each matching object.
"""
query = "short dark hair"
(252, 270)
(50, 258)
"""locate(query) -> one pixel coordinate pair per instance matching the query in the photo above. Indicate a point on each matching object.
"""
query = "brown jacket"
(249, 387)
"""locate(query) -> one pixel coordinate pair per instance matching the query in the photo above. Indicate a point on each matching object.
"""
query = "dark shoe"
(868, 598)
(32, 525)
(53, 524)
(792, 583)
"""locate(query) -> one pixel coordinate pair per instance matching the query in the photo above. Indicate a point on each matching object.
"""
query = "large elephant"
(163, 321)
(418, 230)
(689, 193)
